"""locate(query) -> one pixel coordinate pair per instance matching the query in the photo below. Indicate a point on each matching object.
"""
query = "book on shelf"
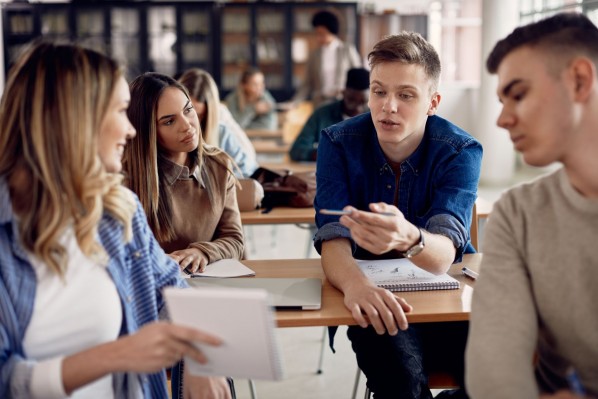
(403, 275)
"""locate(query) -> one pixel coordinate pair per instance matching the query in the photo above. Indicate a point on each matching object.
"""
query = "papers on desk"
(242, 318)
(224, 268)
(402, 275)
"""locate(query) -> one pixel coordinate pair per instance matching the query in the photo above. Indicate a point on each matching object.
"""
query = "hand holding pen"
(382, 229)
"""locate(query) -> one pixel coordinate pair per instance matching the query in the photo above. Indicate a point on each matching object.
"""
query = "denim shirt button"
(136, 254)
(129, 298)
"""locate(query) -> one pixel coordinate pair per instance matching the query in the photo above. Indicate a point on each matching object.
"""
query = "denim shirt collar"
(412, 162)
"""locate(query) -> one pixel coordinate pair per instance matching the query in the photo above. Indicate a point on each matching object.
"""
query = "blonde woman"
(218, 126)
(81, 273)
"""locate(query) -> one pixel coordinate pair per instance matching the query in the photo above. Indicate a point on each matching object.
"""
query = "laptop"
(285, 293)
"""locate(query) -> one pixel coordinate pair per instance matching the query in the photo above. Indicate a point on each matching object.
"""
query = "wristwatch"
(417, 248)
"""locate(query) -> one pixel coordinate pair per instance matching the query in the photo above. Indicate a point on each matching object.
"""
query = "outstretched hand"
(381, 230)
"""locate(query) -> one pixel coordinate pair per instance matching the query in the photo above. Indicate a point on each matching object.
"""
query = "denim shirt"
(437, 186)
(229, 143)
(139, 269)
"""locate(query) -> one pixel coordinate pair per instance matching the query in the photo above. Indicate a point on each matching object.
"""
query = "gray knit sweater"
(537, 294)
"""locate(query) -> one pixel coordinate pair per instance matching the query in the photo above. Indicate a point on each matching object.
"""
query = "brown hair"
(408, 48)
(144, 157)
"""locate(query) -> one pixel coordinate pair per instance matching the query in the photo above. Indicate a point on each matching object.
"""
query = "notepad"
(242, 318)
(224, 268)
(403, 275)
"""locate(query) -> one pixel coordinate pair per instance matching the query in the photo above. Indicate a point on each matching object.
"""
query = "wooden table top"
(264, 133)
(270, 147)
(280, 215)
(428, 306)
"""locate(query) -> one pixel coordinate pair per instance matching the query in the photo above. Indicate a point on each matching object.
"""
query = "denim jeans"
(397, 366)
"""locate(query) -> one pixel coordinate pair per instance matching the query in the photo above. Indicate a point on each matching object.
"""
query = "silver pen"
(469, 273)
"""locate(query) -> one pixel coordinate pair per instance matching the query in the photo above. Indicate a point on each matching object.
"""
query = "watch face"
(411, 252)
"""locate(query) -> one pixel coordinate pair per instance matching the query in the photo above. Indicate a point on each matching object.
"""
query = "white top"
(70, 314)
(536, 295)
(329, 69)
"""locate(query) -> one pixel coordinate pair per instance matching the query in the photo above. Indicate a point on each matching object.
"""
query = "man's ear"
(434, 102)
(583, 72)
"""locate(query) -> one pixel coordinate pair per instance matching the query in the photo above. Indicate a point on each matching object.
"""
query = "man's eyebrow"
(507, 89)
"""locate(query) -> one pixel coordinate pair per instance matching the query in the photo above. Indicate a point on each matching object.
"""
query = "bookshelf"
(170, 36)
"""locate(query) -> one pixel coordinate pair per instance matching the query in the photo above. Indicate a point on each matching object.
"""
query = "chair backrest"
(473, 231)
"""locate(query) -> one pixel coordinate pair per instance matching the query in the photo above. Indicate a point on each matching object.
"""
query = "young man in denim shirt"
(401, 159)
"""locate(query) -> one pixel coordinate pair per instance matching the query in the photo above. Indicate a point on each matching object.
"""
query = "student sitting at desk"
(252, 106)
(537, 293)
(186, 187)
(402, 159)
(218, 127)
(354, 102)
(81, 275)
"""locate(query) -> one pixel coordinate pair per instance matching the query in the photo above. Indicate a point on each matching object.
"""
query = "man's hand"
(381, 230)
(384, 310)
(191, 259)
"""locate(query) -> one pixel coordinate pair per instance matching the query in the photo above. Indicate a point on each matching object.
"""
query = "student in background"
(217, 124)
(252, 106)
(186, 187)
(328, 64)
(399, 158)
(536, 297)
(81, 275)
(354, 102)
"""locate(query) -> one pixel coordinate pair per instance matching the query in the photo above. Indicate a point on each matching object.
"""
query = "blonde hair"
(51, 112)
(202, 87)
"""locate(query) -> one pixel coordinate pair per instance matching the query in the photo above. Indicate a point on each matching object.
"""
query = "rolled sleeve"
(46, 379)
(449, 226)
(331, 231)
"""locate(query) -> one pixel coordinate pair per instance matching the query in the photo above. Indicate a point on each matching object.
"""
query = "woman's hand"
(201, 387)
(191, 259)
(154, 347)
(159, 345)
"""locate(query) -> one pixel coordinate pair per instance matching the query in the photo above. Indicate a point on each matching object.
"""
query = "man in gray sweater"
(534, 322)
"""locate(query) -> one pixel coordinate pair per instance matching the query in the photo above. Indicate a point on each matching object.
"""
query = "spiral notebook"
(403, 275)
(242, 318)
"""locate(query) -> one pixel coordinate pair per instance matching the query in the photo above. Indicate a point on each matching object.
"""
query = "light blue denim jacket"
(229, 143)
(139, 269)
(437, 186)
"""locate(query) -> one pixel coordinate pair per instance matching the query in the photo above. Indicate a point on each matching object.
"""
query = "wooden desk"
(270, 147)
(293, 166)
(264, 134)
(280, 215)
(428, 306)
